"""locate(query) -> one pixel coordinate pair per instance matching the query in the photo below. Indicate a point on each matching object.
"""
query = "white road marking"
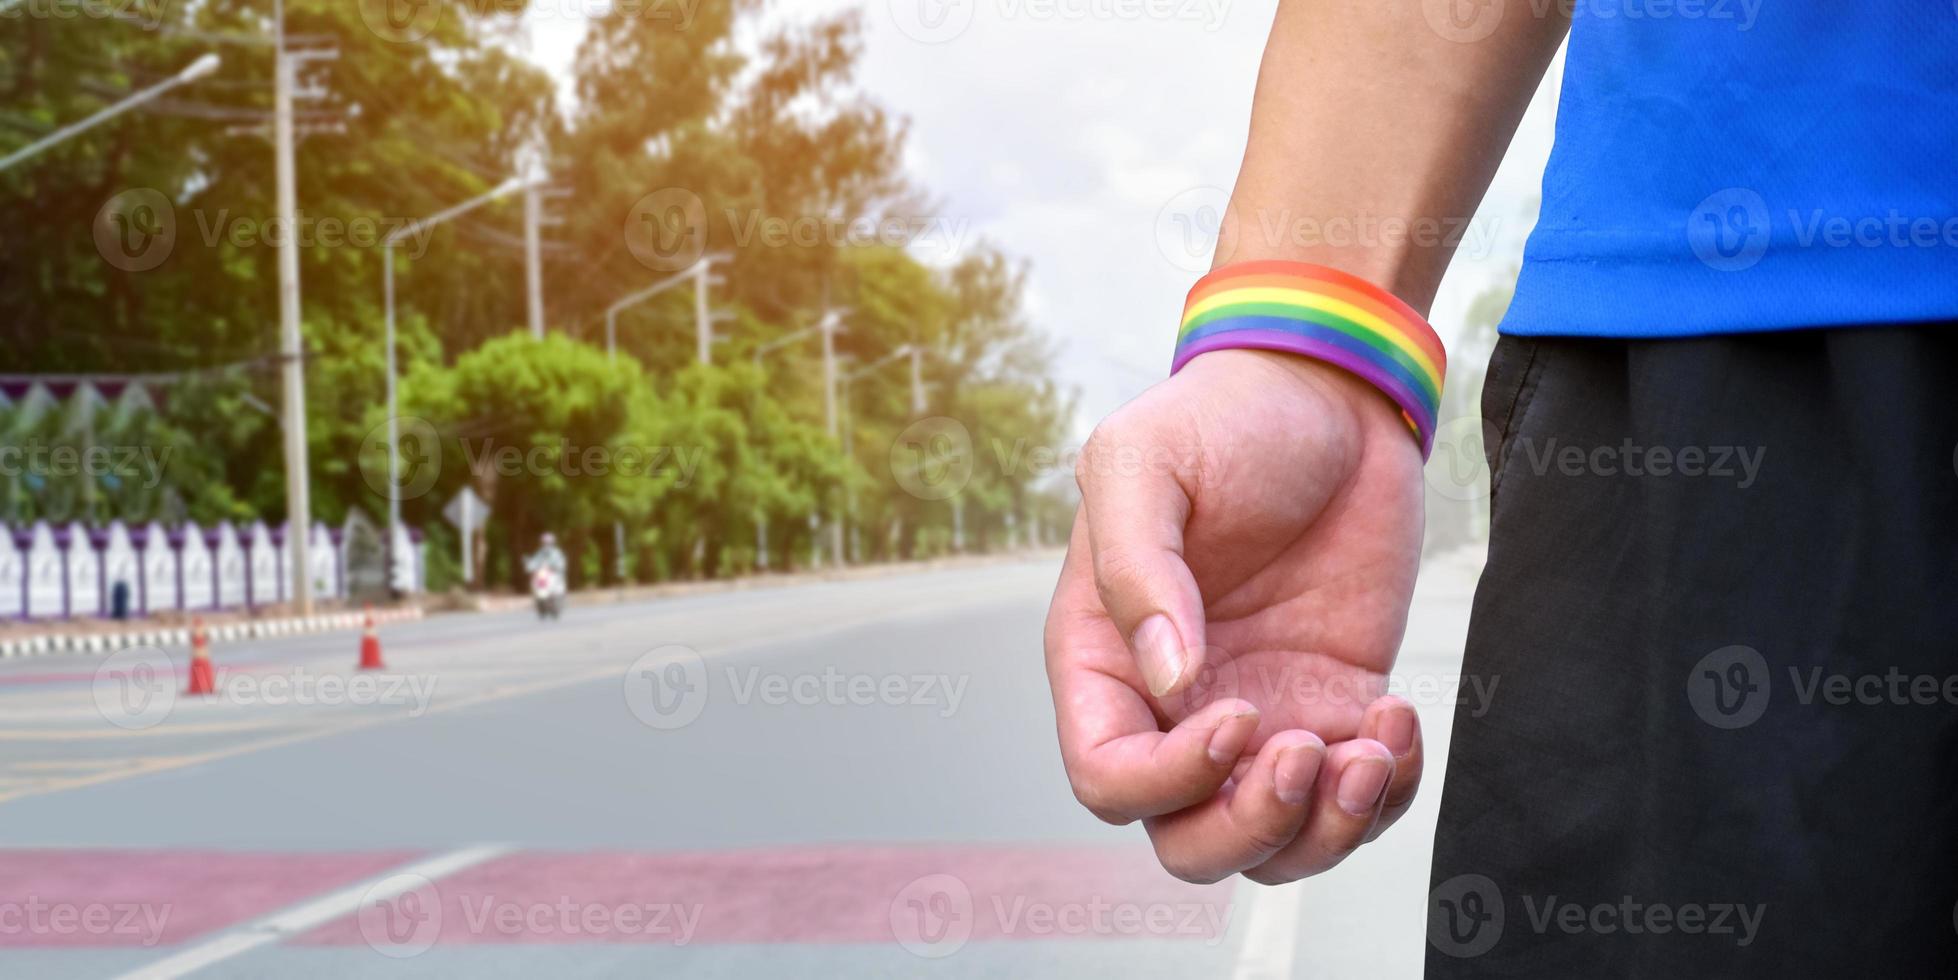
(318, 912)
(1272, 932)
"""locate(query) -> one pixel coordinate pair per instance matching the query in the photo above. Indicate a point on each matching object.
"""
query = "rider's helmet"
(550, 540)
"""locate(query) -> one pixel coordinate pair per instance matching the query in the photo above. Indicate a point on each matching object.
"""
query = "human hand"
(1234, 594)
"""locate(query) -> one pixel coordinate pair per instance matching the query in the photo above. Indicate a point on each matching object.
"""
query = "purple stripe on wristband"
(1365, 368)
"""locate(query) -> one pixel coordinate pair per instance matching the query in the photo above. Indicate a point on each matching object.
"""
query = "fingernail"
(1362, 783)
(1397, 731)
(1159, 651)
(1228, 741)
(1297, 767)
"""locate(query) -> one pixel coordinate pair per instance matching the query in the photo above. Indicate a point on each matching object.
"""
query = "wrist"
(1324, 315)
(1359, 407)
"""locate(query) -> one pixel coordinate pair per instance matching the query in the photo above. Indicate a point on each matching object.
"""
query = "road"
(847, 778)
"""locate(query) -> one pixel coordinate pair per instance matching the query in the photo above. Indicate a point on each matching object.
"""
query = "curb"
(102, 644)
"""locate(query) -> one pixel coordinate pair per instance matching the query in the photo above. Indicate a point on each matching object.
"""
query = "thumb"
(1135, 528)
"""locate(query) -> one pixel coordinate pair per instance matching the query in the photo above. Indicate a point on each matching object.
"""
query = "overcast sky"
(1086, 136)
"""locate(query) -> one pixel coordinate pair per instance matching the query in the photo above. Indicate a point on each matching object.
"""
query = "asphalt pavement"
(835, 779)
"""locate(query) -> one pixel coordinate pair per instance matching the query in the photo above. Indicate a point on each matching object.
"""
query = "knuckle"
(1092, 794)
(1268, 876)
(1182, 868)
(1268, 837)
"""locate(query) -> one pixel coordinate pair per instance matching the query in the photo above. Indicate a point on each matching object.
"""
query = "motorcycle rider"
(548, 555)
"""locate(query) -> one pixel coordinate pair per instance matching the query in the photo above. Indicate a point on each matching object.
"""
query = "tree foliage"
(752, 120)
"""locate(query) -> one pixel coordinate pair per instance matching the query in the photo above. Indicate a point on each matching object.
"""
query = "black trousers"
(1720, 614)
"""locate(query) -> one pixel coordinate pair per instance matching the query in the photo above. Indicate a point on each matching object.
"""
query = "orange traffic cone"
(203, 679)
(370, 645)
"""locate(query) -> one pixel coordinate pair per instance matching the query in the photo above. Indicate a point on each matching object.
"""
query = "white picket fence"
(72, 571)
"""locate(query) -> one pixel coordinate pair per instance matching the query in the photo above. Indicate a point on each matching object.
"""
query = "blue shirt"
(1738, 165)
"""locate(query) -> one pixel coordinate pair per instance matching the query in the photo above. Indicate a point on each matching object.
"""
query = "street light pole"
(850, 495)
(698, 273)
(831, 321)
(394, 238)
(533, 217)
(195, 70)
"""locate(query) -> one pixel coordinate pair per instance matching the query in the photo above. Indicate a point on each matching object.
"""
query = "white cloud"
(1060, 131)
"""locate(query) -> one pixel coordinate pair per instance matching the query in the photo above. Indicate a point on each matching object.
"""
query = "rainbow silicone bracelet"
(1324, 314)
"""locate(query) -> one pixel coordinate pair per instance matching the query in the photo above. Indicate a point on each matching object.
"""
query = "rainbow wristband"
(1323, 314)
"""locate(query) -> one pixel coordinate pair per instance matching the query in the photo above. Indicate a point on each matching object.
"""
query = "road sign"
(466, 512)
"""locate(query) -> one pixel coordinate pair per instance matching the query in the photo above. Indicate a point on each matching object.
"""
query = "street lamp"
(505, 189)
(911, 351)
(200, 68)
(829, 326)
(698, 273)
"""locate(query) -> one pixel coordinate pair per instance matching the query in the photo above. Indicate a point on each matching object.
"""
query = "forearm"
(1373, 137)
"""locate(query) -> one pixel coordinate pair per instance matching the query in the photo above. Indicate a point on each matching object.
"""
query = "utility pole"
(284, 132)
(918, 380)
(831, 320)
(533, 219)
(703, 324)
(299, 512)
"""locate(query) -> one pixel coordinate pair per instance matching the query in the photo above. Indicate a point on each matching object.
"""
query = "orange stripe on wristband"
(1325, 314)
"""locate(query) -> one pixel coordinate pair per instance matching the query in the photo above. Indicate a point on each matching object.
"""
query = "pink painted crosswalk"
(926, 898)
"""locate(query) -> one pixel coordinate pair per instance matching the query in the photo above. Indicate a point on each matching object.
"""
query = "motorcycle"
(547, 589)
